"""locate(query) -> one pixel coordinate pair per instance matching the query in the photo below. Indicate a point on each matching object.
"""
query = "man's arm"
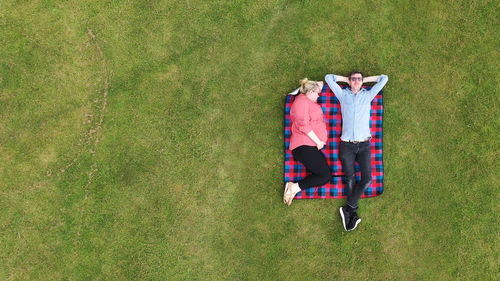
(331, 80)
(371, 79)
(342, 79)
(381, 81)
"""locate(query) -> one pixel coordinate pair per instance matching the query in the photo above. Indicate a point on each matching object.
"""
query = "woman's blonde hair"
(307, 85)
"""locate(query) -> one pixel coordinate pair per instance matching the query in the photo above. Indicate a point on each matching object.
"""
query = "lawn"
(143, 140)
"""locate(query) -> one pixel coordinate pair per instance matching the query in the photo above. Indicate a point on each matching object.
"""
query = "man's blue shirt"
(355, 108)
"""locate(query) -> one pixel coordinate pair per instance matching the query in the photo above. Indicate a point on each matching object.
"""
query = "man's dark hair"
(355, 72)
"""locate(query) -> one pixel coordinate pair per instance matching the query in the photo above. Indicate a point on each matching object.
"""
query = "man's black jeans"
(361, 153)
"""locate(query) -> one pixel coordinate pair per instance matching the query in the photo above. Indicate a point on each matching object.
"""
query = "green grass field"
(142, 140)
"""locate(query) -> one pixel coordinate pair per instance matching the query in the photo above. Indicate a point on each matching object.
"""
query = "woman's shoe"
(288, 194)
(290, 199)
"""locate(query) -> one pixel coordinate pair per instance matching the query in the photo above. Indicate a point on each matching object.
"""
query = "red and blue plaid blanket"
(295, 171)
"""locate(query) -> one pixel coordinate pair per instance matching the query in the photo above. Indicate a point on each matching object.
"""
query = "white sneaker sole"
(343, 219)
(357, 222)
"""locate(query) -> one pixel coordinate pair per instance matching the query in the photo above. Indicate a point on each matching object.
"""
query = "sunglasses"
(356, 78)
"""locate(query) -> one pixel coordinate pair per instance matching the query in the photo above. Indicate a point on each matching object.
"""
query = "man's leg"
(363, 157)
(347, 157)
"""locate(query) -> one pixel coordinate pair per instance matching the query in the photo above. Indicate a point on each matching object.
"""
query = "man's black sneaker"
(346, 217)
(355, 220)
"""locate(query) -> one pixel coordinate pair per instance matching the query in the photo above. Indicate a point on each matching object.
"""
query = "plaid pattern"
(295, 171)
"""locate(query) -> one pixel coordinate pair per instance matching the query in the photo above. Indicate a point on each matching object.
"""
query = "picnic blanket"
(295, 171)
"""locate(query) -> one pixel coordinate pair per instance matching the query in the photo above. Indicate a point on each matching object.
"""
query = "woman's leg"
(315, 162)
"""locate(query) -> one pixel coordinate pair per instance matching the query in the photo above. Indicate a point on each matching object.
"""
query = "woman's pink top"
(306, 115)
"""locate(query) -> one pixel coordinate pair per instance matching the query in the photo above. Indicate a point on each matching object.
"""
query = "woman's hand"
(320, 145)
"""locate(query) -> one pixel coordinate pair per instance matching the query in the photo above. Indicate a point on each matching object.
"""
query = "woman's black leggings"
(315, 162)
